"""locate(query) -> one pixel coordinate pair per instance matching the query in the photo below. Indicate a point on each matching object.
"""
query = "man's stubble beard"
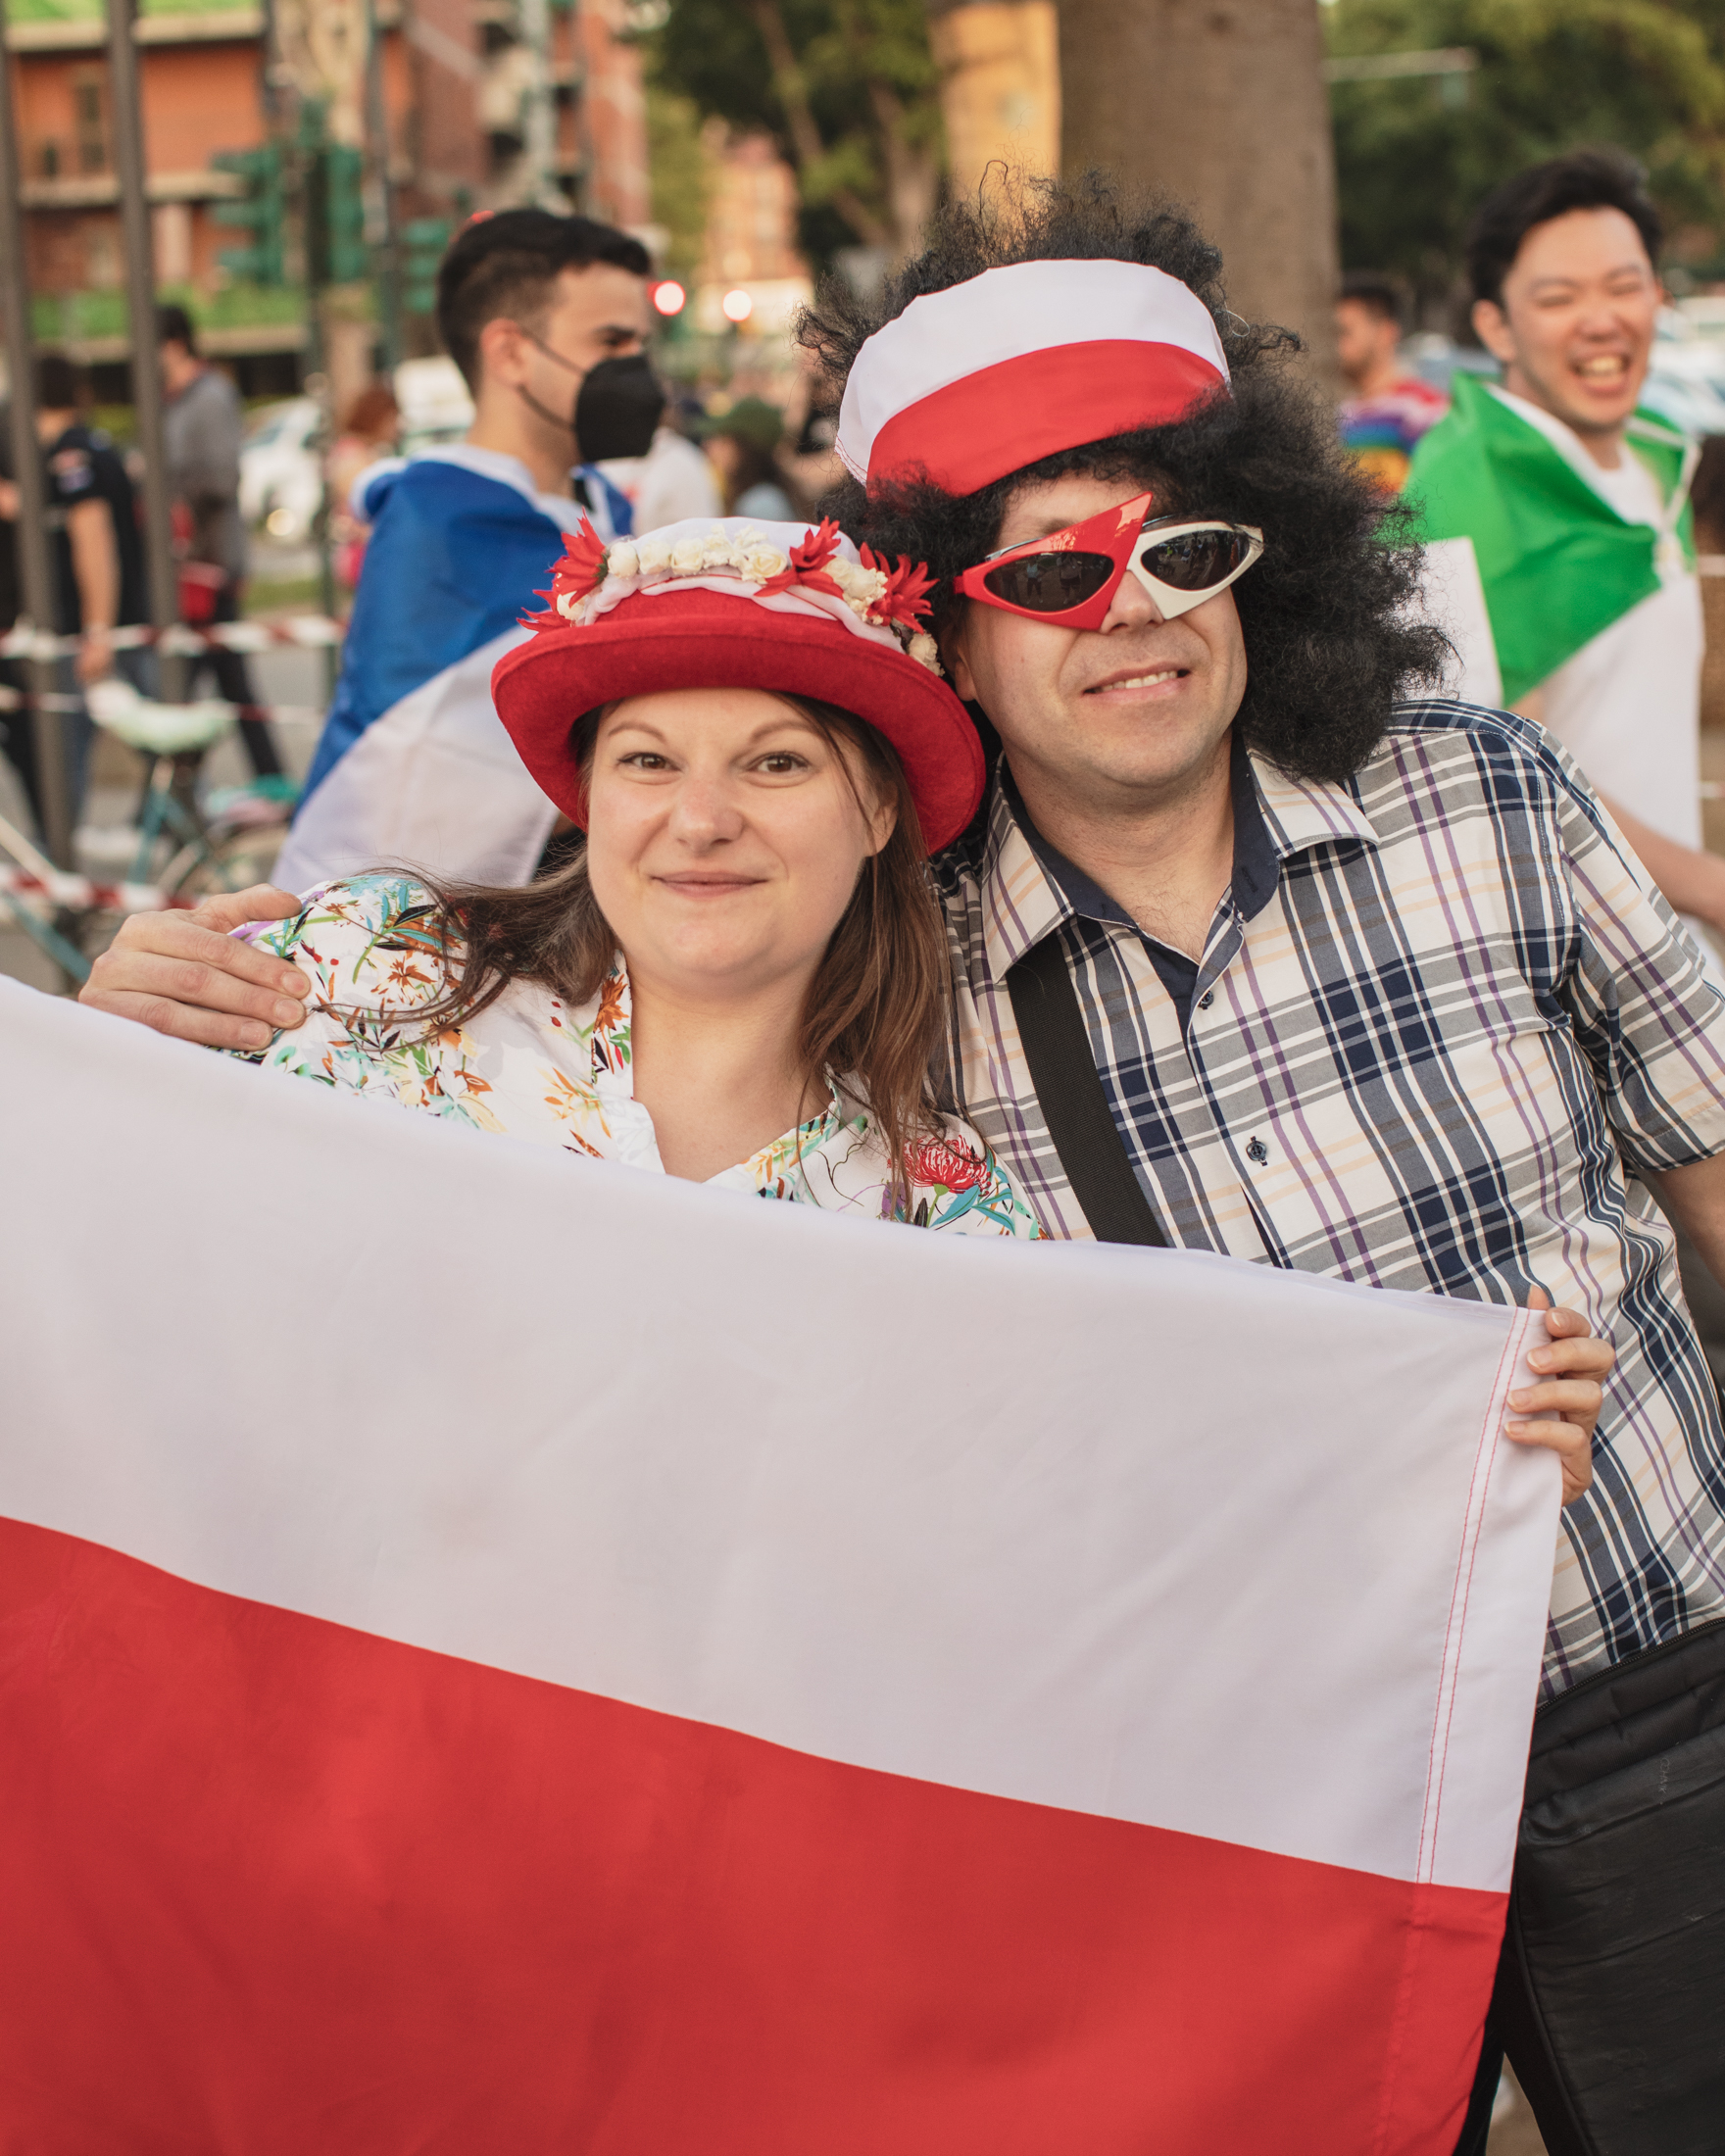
(1109, 780)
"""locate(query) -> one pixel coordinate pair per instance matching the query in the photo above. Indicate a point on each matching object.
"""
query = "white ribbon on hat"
(738, 531)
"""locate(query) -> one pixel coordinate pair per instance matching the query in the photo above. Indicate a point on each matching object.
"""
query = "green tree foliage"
(1414, 156)
(680, 178)
(846, 87)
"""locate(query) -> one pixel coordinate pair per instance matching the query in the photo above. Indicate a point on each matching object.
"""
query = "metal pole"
(140, 303)
(538, 111)
(34, 569)
(385, 239)
(310, 141)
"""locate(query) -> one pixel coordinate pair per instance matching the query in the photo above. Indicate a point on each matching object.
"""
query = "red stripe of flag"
(271, 1884)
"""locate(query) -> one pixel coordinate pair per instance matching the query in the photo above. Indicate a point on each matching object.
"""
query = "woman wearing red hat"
(742, 977)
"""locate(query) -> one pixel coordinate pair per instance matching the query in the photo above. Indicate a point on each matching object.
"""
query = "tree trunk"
(913, 175)
(1000, 85)
(1218, 106)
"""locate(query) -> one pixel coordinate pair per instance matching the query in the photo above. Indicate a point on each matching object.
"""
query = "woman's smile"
(706, 883)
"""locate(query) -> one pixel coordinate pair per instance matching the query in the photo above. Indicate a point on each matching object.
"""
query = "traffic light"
(422, 244)
(333, 202)
(344, 212)
(260, 210)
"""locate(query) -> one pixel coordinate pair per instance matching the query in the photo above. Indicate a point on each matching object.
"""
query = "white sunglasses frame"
(1170, 602)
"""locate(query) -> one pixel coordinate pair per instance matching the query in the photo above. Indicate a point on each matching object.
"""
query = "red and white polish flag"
(499, 1653)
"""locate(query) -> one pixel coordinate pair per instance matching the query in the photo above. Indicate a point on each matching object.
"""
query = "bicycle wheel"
(199, 871)
(231, 862)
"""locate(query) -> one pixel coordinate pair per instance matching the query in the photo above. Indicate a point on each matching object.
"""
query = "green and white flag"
(1556, 563)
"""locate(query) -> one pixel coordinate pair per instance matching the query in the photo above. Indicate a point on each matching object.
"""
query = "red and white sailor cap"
(993, 374)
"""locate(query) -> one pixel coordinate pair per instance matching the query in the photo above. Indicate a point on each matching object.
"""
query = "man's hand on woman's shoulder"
(188, 976)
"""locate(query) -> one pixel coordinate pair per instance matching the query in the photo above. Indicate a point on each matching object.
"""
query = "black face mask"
(617, 409)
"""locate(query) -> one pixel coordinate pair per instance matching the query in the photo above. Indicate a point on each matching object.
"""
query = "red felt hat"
(713, 629)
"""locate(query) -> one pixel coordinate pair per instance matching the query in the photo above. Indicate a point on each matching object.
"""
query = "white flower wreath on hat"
(790, 569)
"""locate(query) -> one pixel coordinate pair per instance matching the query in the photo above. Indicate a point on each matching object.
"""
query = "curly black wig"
(1330, 635)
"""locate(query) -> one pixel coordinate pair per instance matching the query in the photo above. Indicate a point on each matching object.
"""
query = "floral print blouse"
(532, 1066)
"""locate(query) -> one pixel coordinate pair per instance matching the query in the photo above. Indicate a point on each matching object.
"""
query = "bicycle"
(188, 849)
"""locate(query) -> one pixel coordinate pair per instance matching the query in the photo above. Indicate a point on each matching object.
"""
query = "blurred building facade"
(218, 78)
(751, 246)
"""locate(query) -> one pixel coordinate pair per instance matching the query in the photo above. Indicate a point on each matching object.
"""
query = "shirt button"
(1258, 1152)
(1206, 999)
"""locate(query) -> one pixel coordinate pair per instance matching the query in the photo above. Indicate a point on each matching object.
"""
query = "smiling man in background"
(1574, 505)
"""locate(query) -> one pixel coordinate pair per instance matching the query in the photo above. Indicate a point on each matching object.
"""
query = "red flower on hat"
(580, 570)
(908, 585)
(808, 558)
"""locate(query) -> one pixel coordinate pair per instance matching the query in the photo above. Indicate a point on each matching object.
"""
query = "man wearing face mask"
(546, 316)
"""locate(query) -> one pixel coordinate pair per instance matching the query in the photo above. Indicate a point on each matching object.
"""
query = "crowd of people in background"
(95, 558)
(1557, 512)
(713, 454)
(1388, 406)
(762, 449)
(91, 493)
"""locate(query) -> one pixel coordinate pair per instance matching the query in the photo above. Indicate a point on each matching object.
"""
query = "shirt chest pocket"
(1474, 1069)
(1418, 1087)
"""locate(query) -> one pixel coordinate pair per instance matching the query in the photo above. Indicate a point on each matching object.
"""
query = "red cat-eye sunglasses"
(1070, 576)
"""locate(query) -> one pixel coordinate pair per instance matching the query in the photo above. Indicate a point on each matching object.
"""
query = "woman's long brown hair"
(877, 1006)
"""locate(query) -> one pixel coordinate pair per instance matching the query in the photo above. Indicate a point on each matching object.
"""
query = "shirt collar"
(1078, 892)
(1030, 888)
(1020, 902)
(1300, 813)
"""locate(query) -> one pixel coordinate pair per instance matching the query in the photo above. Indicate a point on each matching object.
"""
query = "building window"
(104, 266)
(89, 118)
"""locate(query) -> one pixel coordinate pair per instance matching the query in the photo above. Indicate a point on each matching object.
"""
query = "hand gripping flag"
(506, 1652)
(1556, 563)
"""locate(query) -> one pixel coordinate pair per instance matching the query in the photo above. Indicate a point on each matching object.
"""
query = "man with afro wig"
(1259, 945)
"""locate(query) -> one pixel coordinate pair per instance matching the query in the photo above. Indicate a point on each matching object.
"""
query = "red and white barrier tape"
(312, 631)
(287, 714)
(84, 893)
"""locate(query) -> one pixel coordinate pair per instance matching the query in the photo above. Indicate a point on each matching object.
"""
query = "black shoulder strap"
(1075, 1107)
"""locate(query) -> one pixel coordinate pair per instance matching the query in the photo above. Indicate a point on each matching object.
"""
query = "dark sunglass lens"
(1050, 583)
(1195, 560)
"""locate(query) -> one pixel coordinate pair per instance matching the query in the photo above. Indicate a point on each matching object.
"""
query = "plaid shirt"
(1440, 1019)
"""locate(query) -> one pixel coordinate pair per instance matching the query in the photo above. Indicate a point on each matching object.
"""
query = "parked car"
(280, 471)
(434, 404)
(281, 475)
(1686, 382)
